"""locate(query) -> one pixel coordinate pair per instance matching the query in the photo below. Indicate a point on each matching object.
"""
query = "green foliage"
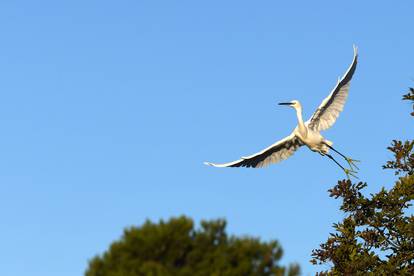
(377, 235)
(410, 97)
(404, 157)
(175, 247)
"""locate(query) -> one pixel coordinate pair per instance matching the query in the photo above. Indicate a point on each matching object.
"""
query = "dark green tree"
(376, 237)
(175, 247)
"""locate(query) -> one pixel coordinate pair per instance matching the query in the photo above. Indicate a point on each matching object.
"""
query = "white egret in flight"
(307, 133)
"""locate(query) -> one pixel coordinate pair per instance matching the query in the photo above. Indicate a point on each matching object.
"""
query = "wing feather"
(328, 111)
(272, 154)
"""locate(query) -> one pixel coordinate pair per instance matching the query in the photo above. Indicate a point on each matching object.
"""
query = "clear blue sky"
(109, 108)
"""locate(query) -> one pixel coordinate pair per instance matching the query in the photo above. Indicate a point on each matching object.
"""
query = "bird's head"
(295, 104)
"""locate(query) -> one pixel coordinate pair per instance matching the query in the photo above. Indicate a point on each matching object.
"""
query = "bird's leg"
(348, 172)
(351, 162)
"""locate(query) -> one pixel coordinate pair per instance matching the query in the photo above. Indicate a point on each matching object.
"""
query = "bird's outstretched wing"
(327, 113)
(273, 154)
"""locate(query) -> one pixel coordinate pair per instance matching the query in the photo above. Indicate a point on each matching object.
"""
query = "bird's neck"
(301, 125)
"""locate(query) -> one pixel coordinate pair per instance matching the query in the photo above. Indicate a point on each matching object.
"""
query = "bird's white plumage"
(328, 111)
(272, 154)
(305, 133)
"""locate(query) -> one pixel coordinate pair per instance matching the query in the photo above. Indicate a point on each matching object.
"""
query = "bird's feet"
(350, 172)
(351, 163)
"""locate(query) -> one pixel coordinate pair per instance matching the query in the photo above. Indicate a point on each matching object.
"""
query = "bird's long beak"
(285, 103)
